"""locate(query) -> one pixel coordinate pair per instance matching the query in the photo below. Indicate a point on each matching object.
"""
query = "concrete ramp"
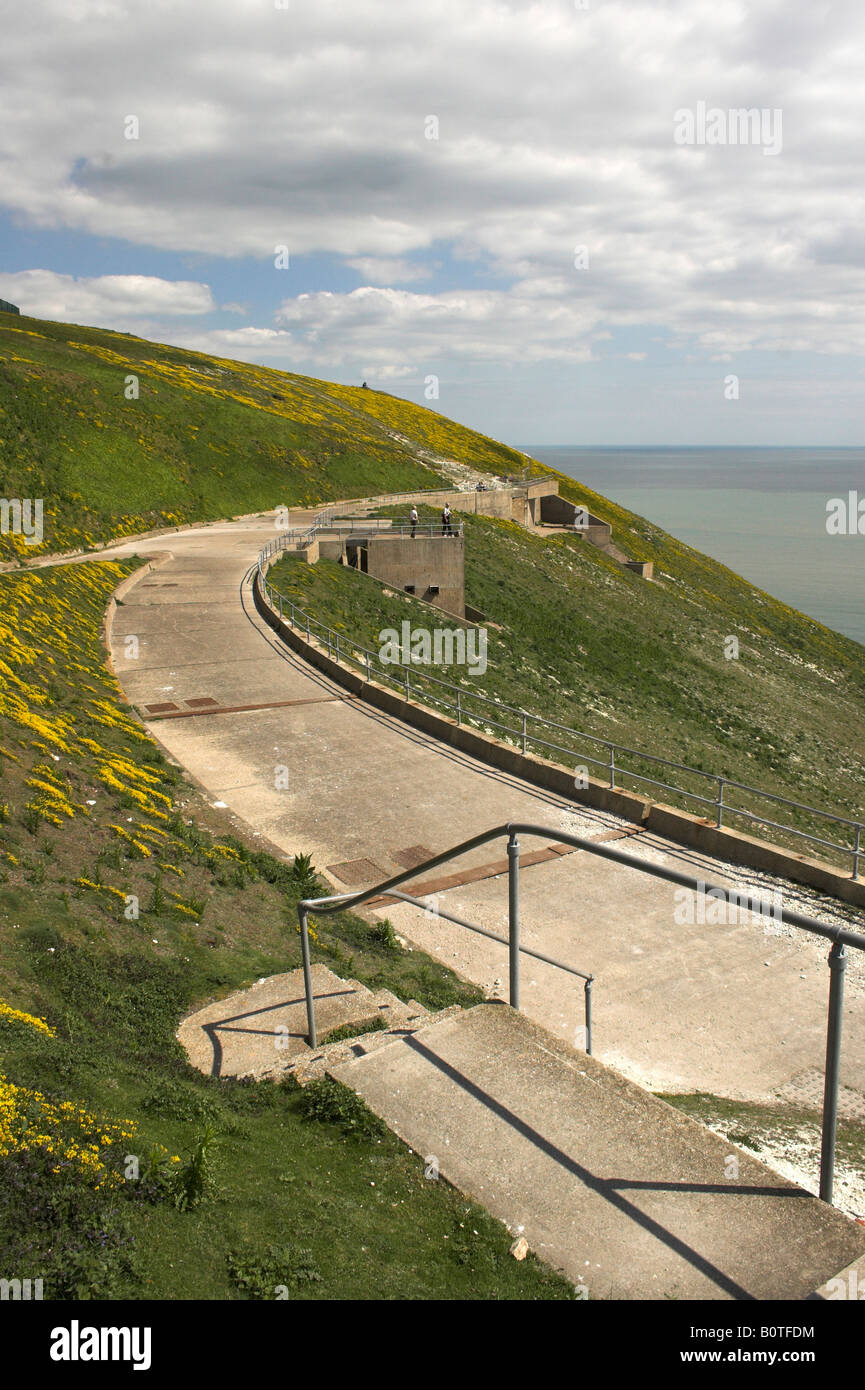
(626, 1195)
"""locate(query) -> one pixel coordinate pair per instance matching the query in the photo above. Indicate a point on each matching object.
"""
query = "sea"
(762, 512)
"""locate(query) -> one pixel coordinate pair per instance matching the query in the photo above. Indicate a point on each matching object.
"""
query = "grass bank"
(578, 639)
(118, 435)
(123, 1171)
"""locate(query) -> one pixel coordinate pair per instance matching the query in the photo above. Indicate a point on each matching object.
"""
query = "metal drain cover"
(412, 857)
(356, 872)
(806, 1089)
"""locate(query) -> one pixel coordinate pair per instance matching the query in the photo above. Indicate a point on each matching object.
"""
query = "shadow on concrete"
(398, 726)
(222, 1025)
(610, 1189)
(681, 855)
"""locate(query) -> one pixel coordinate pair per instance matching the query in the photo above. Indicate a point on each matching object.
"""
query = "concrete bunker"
(431, 568)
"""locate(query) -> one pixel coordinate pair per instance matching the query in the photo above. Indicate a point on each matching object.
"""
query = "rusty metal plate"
(356, 872)
(412, 857)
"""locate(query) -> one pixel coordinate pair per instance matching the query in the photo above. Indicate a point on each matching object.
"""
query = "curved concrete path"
(737, 1009)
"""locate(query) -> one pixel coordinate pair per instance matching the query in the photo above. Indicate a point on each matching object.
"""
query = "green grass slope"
(581, 639)
(206, 438)
(123, 904)
(578, 639)
(93, 821)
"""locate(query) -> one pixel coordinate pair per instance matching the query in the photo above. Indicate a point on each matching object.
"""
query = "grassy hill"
(93, 817)
(578, 639)
(205, 438)
(93, 820)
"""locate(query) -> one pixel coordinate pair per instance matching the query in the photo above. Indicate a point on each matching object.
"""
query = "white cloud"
(388, 270)
(247, 344)
(306, 127)
(103, 300)
(391, 329)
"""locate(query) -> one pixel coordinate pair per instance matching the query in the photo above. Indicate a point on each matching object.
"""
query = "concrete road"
(739, 1009)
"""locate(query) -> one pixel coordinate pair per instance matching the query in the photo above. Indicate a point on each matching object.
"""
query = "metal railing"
(390, 889)
(405, 528)
(376, 526)
(343, 519)
(387, 499)
(840, 938)
(528, 731)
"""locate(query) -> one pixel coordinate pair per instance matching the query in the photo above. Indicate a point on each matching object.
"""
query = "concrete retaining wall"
(644, 568)
(493, 502)
(667, 821)
(116, 600)
(474, 615)
(529, 502)
(558, 511)
(425, 563)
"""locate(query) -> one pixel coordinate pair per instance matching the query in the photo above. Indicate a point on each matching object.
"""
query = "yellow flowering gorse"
(63, 1130)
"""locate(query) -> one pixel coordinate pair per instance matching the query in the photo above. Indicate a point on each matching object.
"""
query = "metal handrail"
(524, 950)
(363, 527)
(391, 499)
(522, 736)
(389, 889)
(840, 937)
(400, 528)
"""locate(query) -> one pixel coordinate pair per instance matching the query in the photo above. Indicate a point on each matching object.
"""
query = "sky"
(547, 220)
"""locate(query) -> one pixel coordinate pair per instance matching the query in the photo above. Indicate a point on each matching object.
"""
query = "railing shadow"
(611, 1189)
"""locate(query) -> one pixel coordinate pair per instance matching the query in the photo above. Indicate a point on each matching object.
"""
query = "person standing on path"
(446, 521)
(413, 520)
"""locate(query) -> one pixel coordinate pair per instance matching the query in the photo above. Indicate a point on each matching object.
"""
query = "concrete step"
(418, 1009)
(396, 1010)
(258, 1031)
(322, 1062)
(261, 1031)
(629, 1197)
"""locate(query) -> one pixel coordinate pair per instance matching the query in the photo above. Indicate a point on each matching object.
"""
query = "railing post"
(612, 767)
(367, 665)
(857, 851)
(514, 919)
(337, 647)
(720, 803)
(459, 709)
(280, 607)
(524, 733)
(837, 967)
(307, 979)
(587, 991)
(407, 687)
